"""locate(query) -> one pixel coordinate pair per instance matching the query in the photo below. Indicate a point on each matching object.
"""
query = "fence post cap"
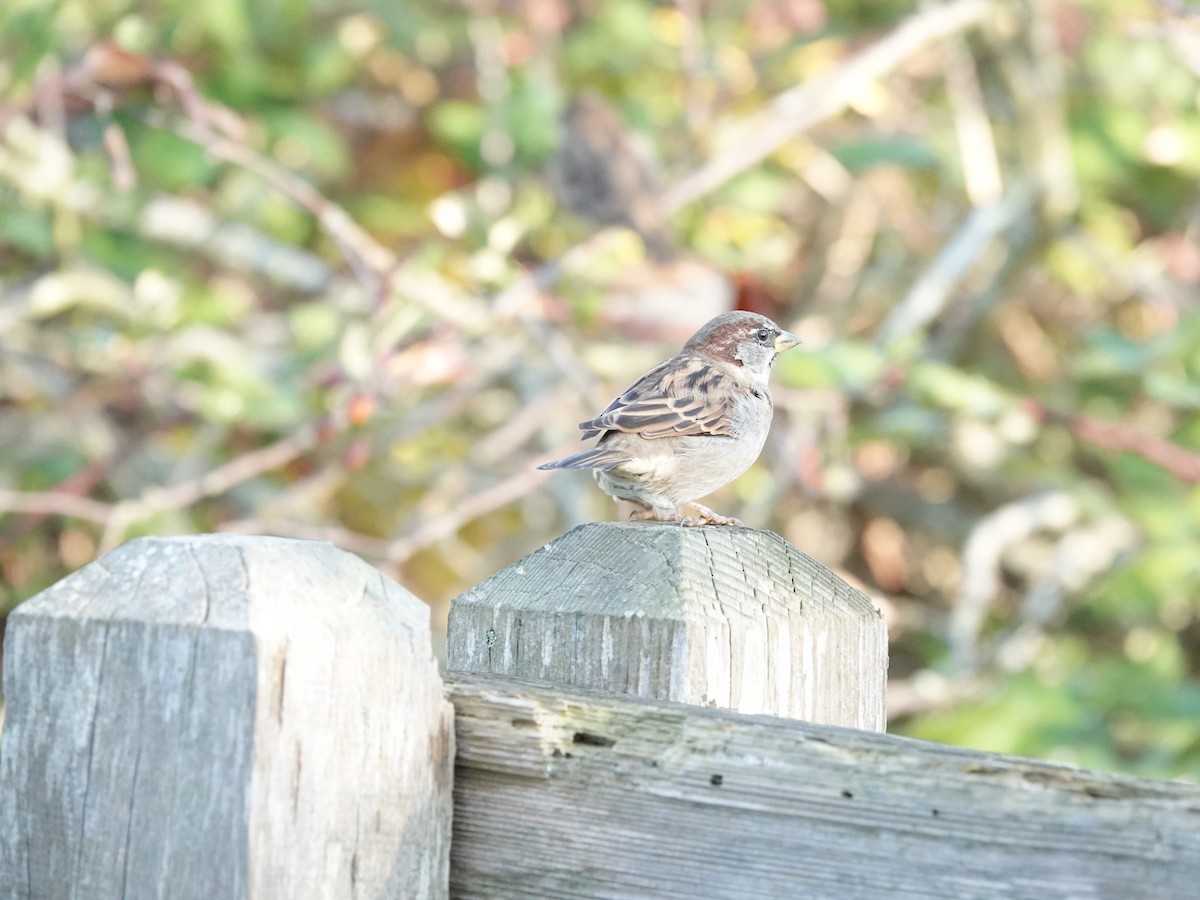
(231, 581)
(666, 571)
(722, 616)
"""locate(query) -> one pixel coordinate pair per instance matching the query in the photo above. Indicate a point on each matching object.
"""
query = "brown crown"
(720, 337)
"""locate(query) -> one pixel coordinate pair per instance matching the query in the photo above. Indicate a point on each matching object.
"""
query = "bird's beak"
(785, 341)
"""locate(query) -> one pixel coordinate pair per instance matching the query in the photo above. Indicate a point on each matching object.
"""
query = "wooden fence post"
(224, 716)
(728, 617)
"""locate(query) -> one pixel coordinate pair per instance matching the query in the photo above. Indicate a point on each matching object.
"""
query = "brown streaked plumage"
(691, 424)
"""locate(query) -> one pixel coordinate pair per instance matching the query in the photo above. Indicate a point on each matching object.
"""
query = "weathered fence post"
(224, 716)
(726, 617)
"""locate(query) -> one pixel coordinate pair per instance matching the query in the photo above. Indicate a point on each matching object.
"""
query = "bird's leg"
(649, 512)
(707, 517)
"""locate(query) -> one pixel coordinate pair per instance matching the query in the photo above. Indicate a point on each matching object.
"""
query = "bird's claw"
(694, 521)
(707, 517)
(653, 515)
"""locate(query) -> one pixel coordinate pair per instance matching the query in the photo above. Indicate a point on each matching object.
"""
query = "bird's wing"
(686, 395)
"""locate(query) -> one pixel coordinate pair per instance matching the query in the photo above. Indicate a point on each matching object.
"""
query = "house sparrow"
(601, 174)
(691, 424)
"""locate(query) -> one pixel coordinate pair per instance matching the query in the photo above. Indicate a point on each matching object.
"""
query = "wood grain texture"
(223, 717)
(726, 617)
(564, 796)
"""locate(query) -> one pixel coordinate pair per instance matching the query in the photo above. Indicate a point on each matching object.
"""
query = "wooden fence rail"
(561, 795)
(228, 717)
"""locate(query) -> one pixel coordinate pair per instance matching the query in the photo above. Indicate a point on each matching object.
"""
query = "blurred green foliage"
(168, 312)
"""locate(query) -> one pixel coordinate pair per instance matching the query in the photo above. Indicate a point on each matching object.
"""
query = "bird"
(690, 425)
(600, 173)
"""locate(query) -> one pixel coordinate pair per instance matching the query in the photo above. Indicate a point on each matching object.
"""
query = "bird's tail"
(596, 458)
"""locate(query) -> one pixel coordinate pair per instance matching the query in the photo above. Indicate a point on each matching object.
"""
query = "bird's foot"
(707, 517)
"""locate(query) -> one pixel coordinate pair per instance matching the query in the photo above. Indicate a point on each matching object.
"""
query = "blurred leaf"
(459, 125)
(623, 24)
(1111, 353)
(853, 366)
(811, 370)
(167, 160)
(1025, 717)
(315, 325)
(307, 143)
(26, 230)
(915, 423)
(51, 466)
(904, 150)
(28, 35)
(1173, 390)
(123, 253)
(532, 118)
(226, 21)
(952, 388)
(327, 67)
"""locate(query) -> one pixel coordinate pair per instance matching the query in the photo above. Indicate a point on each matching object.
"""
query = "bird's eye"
(764, 335)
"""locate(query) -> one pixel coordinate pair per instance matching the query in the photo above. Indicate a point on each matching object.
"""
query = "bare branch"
(55, 503)
(155, 500)
(929, 296)
(401, 549)
(803, 106)
(500, 494)
(976, 142)
(1184, 464)
(1179, 8)
(353, 541)
(981, 557)
(354, 242)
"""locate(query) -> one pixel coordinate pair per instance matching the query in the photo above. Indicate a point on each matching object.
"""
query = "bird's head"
(743, 339)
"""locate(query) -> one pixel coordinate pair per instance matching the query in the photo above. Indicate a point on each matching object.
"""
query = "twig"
(480, 504)
(155, 500)
(1079, 557)
(963, 317)
(362, 252)
(517, 302)
(981, 556)
(535, 412)
(185, 223)
(803, 106)
(692, 61)
(1179, 8)
(976, 143)
(1182, 463)
(120, 158)
(353, 541)
(398, 550)
(373, 265)
(842, 262)
(55, 503)
(1032, 65)
(105, 69)
(928, 691)
(788, 115)
(929, 296)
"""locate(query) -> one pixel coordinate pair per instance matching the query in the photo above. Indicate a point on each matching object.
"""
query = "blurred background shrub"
(350, 271)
